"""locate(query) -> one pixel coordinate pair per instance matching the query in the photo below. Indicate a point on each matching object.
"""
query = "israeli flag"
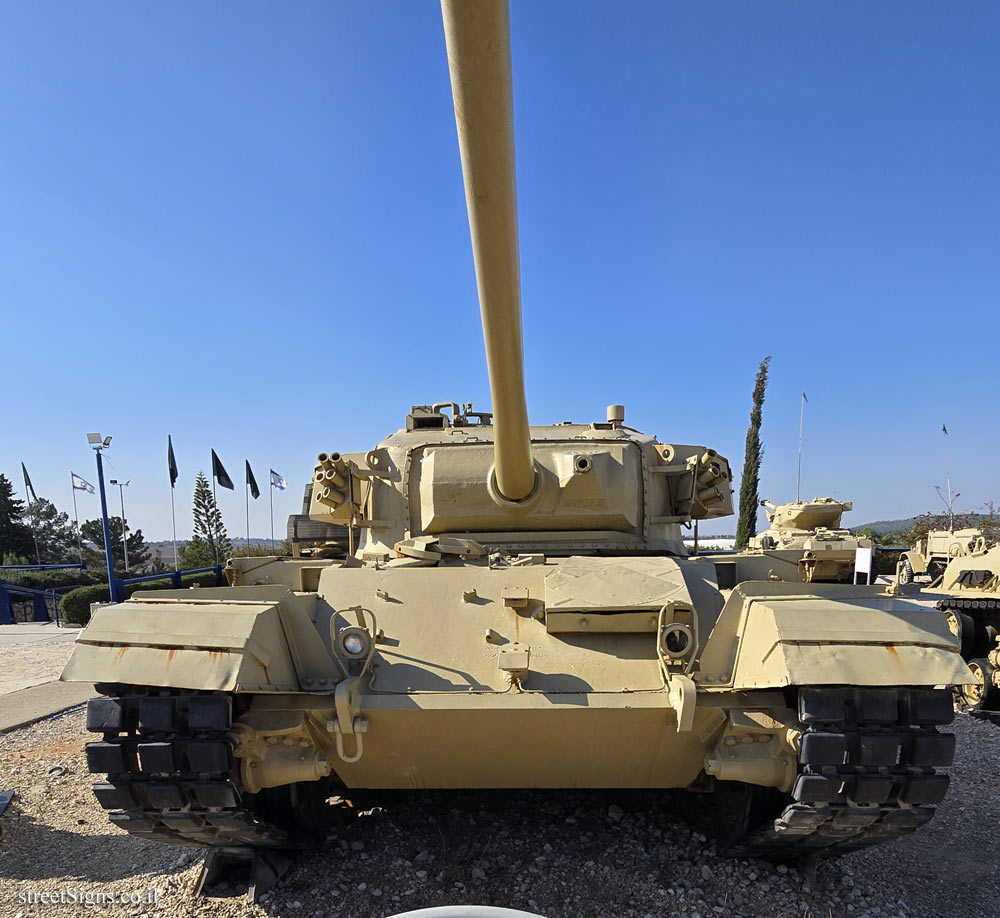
(277, 481)
(80, 485)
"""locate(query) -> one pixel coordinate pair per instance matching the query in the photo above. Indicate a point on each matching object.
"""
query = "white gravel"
(577, 854)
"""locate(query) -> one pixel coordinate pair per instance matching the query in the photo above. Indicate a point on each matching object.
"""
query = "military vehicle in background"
(517, 611)
(932, 553)
(969, 591)
(806, 536)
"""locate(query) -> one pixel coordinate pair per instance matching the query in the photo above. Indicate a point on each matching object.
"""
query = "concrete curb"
(27, 706)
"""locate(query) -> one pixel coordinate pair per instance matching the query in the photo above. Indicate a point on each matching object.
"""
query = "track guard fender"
(770, 635)
(255, 639)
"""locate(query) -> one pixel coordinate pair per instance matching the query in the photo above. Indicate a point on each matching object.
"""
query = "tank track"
(961, 604)
(168, 762)
(866, 772)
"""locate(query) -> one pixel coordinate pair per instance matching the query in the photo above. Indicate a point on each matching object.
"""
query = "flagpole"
(270, 494)
(246, 488)
(947, 471)
(173, 523)
(31, 518)
(798, 477)
(76, 517)
(215, 500)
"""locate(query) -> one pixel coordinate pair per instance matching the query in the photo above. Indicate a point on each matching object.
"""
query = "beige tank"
(516, 610)
(968, 591)
(805, 536)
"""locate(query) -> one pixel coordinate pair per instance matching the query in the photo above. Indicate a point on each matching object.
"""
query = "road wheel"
(906, 571)
(982, 694)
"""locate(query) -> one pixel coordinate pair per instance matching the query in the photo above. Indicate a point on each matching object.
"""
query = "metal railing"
(118, 585)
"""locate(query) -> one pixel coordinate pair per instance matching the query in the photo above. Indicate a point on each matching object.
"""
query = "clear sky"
(242, 223)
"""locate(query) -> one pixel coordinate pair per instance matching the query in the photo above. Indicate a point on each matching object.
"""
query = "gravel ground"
(576, 854)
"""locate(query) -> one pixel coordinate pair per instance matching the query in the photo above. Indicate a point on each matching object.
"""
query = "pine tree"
(53, 530)
(210, 543)
(138, 551)
(749, 485)
(15, 537)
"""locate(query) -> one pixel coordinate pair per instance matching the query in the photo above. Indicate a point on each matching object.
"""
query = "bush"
(50, 580)
(75, 605)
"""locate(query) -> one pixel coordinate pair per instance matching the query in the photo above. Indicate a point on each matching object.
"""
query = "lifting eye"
(583, 464)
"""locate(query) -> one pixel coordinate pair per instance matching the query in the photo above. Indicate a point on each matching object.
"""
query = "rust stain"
(892, 651)
(170, 655)
(260, 663)
(121, 653)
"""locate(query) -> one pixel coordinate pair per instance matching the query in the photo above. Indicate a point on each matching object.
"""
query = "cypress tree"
(746, 526)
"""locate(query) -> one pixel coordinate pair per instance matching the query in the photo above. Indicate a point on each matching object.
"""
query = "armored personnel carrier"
(932, 554)
(806, 535)
(516, 611)
(968, 591)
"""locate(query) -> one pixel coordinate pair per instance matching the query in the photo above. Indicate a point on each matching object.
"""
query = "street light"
(121, 493)
(97, 443)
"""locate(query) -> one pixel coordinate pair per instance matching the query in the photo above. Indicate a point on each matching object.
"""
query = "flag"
(171, 461)
(277, 481)
(80, 485)
(804, 397)
(944, 430)
(28, 489)
(220, 474)
(254, 490)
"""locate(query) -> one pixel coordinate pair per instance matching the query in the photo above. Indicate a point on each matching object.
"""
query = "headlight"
(354, 642)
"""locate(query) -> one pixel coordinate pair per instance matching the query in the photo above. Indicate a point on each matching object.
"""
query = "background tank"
(517, 611)
(807, 535)
(968, 591)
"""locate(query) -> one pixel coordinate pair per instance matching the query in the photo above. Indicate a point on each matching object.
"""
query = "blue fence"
(118, 586)
(41, 599)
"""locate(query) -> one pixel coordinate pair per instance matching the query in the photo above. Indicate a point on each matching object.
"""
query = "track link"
(970, 604)
(168, 761)
(867, 773)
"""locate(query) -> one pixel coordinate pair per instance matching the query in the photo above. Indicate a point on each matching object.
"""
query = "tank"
(934, 551)
(516, 610)
(806, 536)
(968, 591)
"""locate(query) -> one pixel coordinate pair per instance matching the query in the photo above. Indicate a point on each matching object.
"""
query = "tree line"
(37, 531)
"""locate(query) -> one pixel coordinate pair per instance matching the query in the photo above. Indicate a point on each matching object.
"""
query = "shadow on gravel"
(103, 857)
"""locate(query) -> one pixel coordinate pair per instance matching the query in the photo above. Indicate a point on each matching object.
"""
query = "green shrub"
(50, 580)
(75, 605)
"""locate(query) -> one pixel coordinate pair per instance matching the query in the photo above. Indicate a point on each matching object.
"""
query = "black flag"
(254, 490)
(171, 461)
(27, 484)
(944, 430)
(221, 475)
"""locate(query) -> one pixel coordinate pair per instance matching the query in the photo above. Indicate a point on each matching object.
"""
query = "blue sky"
(243, 224)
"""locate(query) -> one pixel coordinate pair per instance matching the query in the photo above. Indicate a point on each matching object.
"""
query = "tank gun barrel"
(477, 33)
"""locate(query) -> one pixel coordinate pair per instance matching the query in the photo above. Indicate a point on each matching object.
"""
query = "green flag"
(221, 475)
(254, 490)
(171, 461)
(27, 484)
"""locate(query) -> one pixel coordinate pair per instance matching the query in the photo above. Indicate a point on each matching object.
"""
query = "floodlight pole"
(121, 493)
(107, 527)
